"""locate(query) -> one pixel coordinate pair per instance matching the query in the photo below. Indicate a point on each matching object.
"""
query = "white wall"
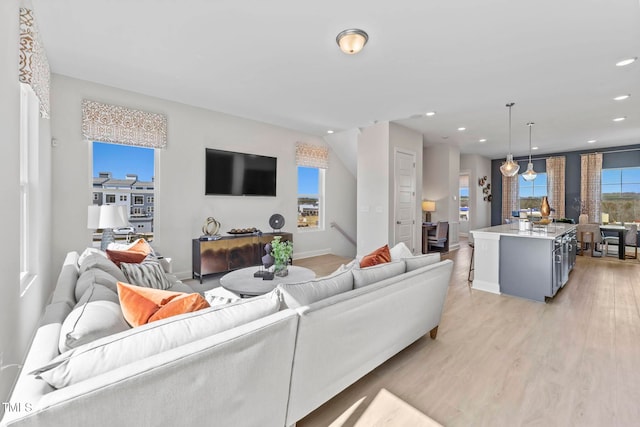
(480, 210)
(19, 314)
(440, 182)
(373, 188)
(180, 204)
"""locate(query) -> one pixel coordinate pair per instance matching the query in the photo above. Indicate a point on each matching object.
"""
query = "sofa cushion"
(400, 251)
(366, 276)
(125, 256)
(305, 293)
(142, 305)
(96, 315)
(104, 264)
(149, 274)
(90, 251)
(418, 261)
(94, 275)
(379, 256)
(108, 353)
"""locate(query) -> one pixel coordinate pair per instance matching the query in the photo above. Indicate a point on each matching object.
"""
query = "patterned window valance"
(315, 156)
(33, 67)
(112, 123)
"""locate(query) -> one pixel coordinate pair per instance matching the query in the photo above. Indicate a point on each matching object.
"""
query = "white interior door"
(405, 200)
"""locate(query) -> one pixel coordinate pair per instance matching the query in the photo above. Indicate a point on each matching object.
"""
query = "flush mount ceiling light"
(509, 168)
(621, 97)
(626, 62)
(529, 174)
(352, 41)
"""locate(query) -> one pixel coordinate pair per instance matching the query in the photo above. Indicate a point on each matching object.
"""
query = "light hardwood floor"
(504, 361)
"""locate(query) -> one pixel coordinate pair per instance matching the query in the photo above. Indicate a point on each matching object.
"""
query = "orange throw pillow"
(141, 305)
(379, 256)
(140, 245)
(125, 256)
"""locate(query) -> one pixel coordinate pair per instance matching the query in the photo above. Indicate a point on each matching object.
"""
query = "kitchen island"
(532, 263)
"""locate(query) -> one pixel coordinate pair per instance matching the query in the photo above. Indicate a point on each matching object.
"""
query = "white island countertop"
(550, 231)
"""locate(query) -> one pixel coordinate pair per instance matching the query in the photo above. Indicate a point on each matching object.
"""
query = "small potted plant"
(281, 253)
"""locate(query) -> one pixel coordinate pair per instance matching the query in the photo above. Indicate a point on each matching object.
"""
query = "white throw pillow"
(114, 351)
(366, 276)
(415, 262)
(90, 251)
(399, 251)
(301, 294)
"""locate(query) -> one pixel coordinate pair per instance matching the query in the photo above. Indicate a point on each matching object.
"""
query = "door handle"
(398, 222)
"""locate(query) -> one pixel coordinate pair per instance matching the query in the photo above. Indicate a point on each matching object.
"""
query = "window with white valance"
(313, 156)
(33, 66)
(122, 125)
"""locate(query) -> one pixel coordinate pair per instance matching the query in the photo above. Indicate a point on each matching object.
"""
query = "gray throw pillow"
(104, 264)
(89, 277)
(149, 274)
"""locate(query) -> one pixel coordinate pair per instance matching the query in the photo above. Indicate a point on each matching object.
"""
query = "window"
(310, 198)
(531, 192)
(29, 136)
(96, 197)
(621, 194)
(149, 199)
(149, 209)
(464, 198)
(118, 166)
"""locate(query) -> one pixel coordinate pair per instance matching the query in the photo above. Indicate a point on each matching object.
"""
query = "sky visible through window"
(308, 180)
(121, 160)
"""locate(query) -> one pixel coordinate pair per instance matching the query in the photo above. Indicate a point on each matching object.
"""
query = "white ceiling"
(278, 62)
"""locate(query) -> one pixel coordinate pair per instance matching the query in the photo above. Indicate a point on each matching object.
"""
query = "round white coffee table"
(244, 284)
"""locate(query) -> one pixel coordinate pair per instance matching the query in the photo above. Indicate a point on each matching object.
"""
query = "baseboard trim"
(309, 254)
(483, 285)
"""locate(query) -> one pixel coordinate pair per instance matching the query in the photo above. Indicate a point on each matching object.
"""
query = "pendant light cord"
(530, 124)
(511, 104)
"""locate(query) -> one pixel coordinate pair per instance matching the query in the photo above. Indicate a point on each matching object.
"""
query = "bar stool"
(471, 266)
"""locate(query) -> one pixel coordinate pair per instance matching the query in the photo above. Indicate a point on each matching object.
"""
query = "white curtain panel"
(555, 184)
(590, 184)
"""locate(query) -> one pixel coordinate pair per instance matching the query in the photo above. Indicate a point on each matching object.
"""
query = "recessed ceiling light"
(534, 148)
(619, 119)
(482, 140)
(591, 141)
(430, 113)
(621, 97)
(462, 128)
(329, 131)
(626, 62)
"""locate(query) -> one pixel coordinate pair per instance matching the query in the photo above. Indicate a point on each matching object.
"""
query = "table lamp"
(107, 217)
(428, 206)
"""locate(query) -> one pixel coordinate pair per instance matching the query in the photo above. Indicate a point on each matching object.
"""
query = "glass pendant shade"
(509, 168)
(529, 174)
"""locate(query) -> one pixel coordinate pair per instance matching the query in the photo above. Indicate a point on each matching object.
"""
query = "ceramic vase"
(545, 209)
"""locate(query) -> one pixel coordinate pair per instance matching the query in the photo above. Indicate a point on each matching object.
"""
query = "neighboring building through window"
(310, 198)
(621, 194)
(123, 175)
(531, 192)
(464, 197)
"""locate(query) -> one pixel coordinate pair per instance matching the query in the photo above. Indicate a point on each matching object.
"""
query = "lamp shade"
(352, 41)
(112, 216)
(428, 206)
(93, 217)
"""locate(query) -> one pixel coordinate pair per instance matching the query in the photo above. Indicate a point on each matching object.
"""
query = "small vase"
(545, 209)
(280, 270)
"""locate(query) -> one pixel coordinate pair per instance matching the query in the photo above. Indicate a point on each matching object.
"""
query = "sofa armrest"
(239, 377)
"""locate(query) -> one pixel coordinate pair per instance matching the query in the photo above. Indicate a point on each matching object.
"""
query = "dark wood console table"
(230, 252)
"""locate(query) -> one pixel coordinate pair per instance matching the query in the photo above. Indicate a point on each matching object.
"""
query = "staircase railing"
(344, 233)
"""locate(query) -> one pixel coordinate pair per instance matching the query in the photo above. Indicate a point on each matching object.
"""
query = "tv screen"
(239, 174)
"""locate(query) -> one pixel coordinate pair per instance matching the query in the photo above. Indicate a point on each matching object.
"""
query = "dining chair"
(440, 237)
(589, 234)
(630, 239)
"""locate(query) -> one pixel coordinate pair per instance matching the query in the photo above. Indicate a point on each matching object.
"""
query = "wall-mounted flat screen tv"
(239, 174)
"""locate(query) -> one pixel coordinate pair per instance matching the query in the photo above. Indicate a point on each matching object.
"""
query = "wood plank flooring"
(505, 361)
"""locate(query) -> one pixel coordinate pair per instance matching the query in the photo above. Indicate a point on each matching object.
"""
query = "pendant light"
(509, 168)
(529, 174)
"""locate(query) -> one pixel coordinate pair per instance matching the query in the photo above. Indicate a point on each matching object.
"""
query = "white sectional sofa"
(271, 367)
